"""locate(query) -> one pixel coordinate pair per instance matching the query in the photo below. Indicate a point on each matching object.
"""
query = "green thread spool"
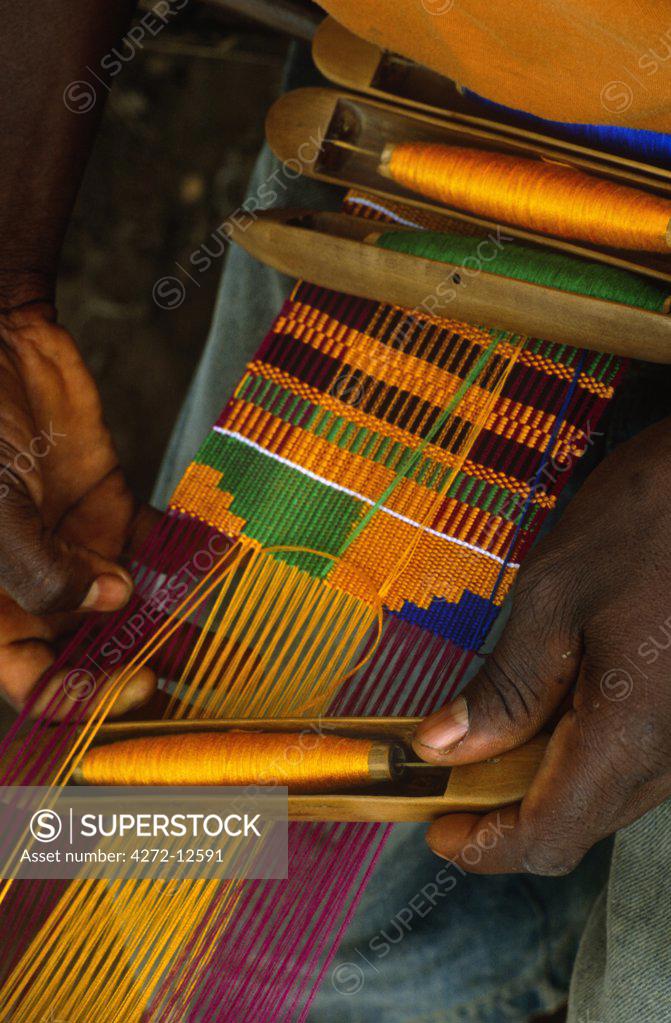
(523, 263)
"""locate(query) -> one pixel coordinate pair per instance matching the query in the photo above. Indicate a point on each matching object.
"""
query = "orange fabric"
(594, 62)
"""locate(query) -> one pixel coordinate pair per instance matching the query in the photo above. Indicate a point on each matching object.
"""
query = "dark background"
(180, 133)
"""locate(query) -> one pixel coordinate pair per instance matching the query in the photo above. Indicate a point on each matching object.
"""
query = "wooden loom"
(360, 66)
(354, 130)
(333, 250)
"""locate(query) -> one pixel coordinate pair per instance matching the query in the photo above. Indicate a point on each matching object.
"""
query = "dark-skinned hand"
(588, 606)
(66, 513)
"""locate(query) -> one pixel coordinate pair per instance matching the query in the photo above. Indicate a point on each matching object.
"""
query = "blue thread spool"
(634, 143)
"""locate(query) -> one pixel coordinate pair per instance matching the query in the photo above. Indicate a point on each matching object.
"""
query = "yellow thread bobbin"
(545, 197)
(304, 762)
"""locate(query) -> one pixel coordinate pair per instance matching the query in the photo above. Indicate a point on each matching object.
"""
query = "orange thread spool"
(543, 197)
(304, 762)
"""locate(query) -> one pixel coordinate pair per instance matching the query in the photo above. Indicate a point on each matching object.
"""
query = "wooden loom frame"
(330, 250)
(357, 65)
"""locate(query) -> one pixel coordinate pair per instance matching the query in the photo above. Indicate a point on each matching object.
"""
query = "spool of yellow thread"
(544, 197)
(304, 762)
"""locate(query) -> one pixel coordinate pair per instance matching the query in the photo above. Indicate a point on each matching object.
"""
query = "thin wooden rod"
(353, 148)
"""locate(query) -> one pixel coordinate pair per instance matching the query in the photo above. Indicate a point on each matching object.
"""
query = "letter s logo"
(45, 826)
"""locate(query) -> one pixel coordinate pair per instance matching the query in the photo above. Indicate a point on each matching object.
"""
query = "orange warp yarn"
(544, 197)
(304, 762)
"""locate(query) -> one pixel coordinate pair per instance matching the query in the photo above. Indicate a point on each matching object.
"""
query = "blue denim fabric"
(431, 944)
(491, 949)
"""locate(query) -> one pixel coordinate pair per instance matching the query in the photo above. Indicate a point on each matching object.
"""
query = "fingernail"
(107, 593)
(437, 852)
(445, 728)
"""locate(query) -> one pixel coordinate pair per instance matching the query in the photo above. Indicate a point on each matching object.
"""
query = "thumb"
(45, 574)
(518, 688)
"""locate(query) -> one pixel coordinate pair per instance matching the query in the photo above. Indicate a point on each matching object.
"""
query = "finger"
(16, 624)
(579, 796)
(154, 708)
(28, 648)
(69, 692)
(146, 519)
(22, 665)
(520, 685)
(77, 694)
(44, 573)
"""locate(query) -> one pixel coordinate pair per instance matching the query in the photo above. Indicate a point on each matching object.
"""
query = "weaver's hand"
(65, 509)
(592, 610)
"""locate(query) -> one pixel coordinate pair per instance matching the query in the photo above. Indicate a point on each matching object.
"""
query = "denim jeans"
(428, 943)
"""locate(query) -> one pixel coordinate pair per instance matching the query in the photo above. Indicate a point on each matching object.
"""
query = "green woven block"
(280, 504)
